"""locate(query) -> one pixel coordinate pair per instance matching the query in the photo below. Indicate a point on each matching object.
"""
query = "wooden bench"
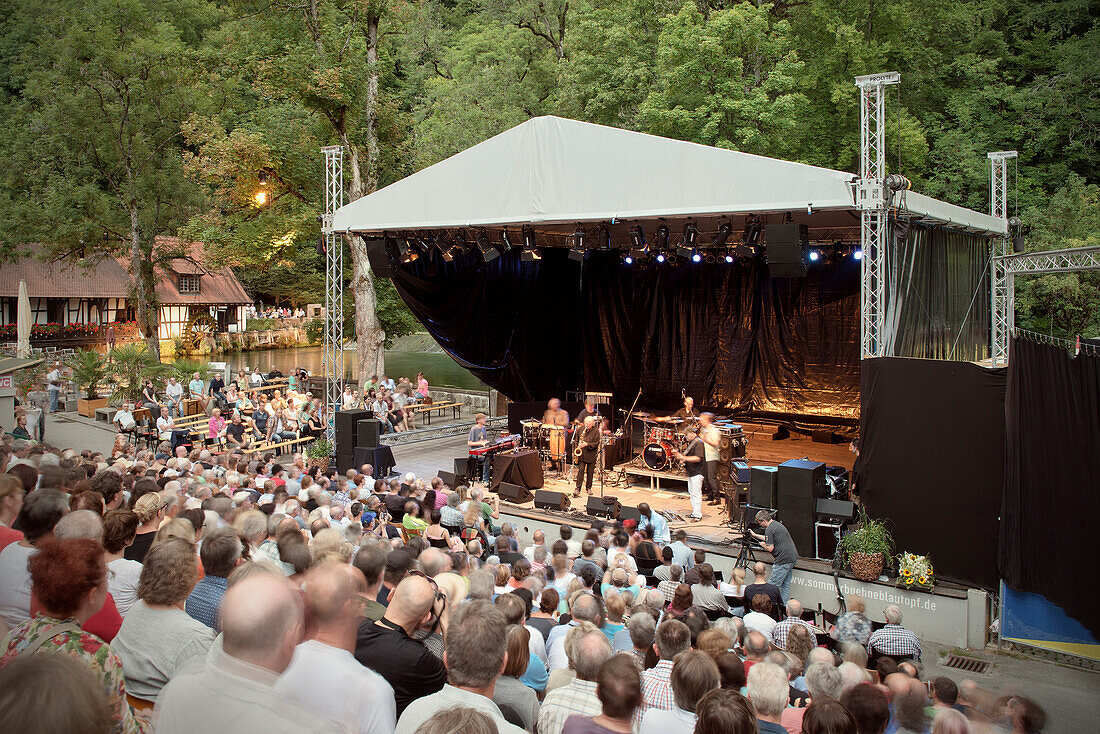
(276, 447)
(427, 408)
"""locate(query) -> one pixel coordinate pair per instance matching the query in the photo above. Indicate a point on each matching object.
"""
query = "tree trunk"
(145, 284)
(370, 337)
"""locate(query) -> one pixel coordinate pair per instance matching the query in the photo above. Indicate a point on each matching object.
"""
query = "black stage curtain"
(1048, 542)
(932, 446)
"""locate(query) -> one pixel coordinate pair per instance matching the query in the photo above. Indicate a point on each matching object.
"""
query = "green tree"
(93, 136)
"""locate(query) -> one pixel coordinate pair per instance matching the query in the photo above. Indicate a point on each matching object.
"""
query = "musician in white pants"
(693, 457)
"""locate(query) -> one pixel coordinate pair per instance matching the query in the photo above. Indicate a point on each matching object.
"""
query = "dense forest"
(124, 119)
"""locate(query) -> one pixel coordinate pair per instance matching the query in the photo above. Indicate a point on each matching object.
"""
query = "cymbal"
(642, 415)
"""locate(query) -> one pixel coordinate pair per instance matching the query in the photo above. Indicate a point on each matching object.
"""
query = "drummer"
(555, 416)
(688, 411)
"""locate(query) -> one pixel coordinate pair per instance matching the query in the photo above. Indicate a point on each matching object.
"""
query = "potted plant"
(131, 366)
(318, 454)
(89, 369)
(867, 547)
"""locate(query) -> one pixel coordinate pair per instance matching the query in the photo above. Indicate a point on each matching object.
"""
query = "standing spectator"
(157, 637)
(38, 516)
(794, 617)
(69, 578)
(388, 646)
(221, 552)
(768, 692)
(579, 696)
(475, 655)
(53, 380)
(694, 674)
(893, 639)
(235, 690)
(673, 638)
(363, 701)
(421, 388)
(619, 689)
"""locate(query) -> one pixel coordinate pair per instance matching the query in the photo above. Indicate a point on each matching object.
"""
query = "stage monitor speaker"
(513, 493)
(723, 471)
(741, 472)
(345, 429)
(629, 513)
(601, 507)
(802, 478)
(836, 509)
(344, 461)
(764, 486)
(547, 500)
(448, 478)
(785, 249)
(367, 433)
(462, 470)
(823, 435)
(379, 259)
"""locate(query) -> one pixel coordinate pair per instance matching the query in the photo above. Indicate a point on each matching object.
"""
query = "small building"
(99, 294)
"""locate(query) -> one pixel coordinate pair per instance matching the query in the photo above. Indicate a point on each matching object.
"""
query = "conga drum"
(555, 436)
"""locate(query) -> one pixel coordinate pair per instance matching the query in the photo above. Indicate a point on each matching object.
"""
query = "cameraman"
(777, 541)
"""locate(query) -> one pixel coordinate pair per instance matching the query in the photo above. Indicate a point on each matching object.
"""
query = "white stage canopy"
(551, 170)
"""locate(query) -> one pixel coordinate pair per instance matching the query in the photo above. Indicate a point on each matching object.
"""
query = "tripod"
(746, 555)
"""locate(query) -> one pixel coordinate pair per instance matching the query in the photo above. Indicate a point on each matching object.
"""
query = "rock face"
(421, 341)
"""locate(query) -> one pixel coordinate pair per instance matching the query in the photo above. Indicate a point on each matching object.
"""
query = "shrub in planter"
(867, 547)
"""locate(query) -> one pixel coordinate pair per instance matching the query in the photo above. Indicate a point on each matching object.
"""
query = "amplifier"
(743, 473)
(836, 509)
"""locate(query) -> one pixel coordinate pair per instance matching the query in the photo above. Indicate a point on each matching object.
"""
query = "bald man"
(235, 690)
(388, 647)
(363, 702)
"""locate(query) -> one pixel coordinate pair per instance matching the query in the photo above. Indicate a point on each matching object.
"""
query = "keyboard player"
(479, 437)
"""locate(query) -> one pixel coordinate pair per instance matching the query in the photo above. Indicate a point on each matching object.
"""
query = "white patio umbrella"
(23, 323)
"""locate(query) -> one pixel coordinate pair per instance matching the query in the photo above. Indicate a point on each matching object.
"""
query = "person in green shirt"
(413, 521)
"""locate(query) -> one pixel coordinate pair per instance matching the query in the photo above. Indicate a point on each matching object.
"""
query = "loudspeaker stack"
(801, 485)
(345, 425)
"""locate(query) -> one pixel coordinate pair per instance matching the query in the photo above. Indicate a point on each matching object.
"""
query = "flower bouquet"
(914, 570)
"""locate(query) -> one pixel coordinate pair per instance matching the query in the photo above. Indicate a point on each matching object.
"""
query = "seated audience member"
(945, 694)
(909, 712)
(11, 500)
(220, 553)
(694, 674)
(724, 711)
(705, 593)
(1025, 715)
(545, 619)
(578, 697)
(893, 639)
(761, 586)
(86, 524)
(681, 602)
(261, 626)
(643, 631)
(475, 654)
(585, 608)
(389, 647)
(363, 701)
(37, 517)
(673, 638)
(731, 671)
(150, 511)
(57, 692)
(755, 648)
(823, 683)
(511, 695)
(768, 692)
(157, 637)
(459, 720)
(619, 689)
(760, 619)
(69, 579)
(119, 528)
(853, 625)
(663, 572)
(869, 707)
(828, 717)
(793, 619)
(949, 721)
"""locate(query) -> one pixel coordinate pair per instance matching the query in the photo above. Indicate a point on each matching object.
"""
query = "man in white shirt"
(682, 555)
(174, 391)
(475, 654)
(53, 380)
(539, 542)
(363, 701)
(261, 626)
(124, 418)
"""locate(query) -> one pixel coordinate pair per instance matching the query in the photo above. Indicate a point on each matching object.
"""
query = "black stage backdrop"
(1048, 543)
(932, 445)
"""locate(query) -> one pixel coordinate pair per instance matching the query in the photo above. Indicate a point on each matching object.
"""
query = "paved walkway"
(72, 430)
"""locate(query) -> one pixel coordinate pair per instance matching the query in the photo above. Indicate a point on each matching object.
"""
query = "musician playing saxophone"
(587, 453)
(478, 438)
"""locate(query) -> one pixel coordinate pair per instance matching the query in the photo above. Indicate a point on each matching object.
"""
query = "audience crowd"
(210, 593)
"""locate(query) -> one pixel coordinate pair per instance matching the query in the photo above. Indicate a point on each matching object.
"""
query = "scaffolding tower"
(332, 361)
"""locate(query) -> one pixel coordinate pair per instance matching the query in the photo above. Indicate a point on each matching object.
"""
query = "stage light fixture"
(684, 250)
(529, 239)
(722, 236)
(696, 258)
(579, 238)
(506, 240)
(576, 255)
(814, 255)
(691, 234)
(605, 237)
(753, 228)
(897, 182)
(1016, 233)
(728, 258)
(530, 256)
(637, 238)
(810, 209)
(261, 177)
(857, 254)
(407, 252)
(662, 237)
(660, 257)
(488, 252)
(628, 259)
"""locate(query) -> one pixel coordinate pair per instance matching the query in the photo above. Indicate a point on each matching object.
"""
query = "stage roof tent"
(550, 170)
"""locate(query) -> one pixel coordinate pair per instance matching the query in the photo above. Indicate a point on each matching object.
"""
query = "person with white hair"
(794, 617)
(893, 639)
(768, 691)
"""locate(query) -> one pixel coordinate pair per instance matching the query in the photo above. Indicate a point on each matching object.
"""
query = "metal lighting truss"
(1003, 291)
(872, 201)
(333, 357)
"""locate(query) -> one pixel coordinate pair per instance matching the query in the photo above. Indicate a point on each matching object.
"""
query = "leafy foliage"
(871, 537)
(130, 366)
(89, 370)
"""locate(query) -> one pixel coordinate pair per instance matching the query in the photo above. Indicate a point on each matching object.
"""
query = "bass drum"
(657, 455)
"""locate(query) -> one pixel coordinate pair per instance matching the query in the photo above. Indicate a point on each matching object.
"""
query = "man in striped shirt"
(673, 637)
(794, 616)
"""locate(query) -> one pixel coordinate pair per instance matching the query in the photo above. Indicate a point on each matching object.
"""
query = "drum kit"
(663, 437)
(548, 438)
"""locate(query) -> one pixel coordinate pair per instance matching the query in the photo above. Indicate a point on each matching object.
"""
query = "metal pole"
(1001, 282)
(873, 205)
(333, 356)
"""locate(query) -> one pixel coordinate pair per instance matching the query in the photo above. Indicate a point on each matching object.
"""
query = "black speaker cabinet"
(345, 428)
(547, 500)
(826, 539)
(836, 509)
(367, 433)
(629, 513)
(764, 486)
(462, 470)
(345, 461)
(379, 259)
(603, 507)
(448, 478)
(802, 478)
(785, 248)
(513, 493)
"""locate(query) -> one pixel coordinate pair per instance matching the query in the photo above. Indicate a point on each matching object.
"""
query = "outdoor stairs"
(446, 430)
